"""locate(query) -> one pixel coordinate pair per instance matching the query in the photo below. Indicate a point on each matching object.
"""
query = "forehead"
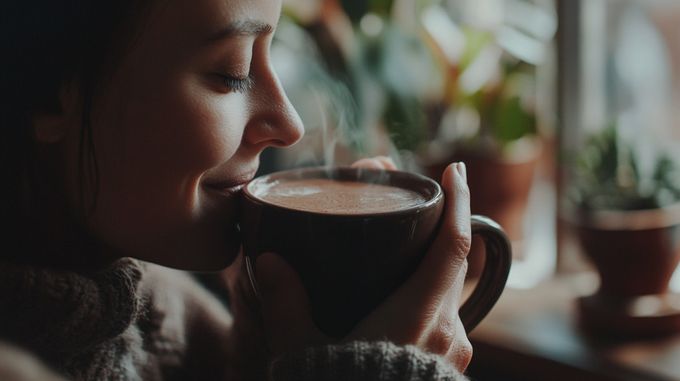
(188, 22)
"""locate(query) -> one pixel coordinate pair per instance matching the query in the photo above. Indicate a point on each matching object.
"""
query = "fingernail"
(462, 170)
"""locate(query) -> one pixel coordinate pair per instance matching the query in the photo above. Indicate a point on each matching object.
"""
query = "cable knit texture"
(134, 321)
(361, 361)
(53, 305)
(86, 325)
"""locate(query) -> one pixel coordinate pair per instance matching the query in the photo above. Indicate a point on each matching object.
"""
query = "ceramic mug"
(349, 263)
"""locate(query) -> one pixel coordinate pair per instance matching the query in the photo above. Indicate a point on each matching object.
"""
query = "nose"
(273, 121)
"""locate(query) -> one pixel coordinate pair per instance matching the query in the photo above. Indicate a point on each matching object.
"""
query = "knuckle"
(460, 354)
(465, 354)
(457, 238)
(442, 338)
(439, 344)
(463, 241)
(461, 351)
(464, 267)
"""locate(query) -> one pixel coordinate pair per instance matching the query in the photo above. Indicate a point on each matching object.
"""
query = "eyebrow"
(241, 28)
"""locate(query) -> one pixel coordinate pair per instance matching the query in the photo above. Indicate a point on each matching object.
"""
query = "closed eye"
(235, 84)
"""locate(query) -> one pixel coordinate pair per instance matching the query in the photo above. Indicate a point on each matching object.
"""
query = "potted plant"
(489, 115)
(494, 131)
(627, 221)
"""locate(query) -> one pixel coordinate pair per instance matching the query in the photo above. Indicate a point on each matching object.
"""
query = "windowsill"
(532, 334)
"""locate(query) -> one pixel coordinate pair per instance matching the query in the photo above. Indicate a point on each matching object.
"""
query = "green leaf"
(511, 121)
(597, 177)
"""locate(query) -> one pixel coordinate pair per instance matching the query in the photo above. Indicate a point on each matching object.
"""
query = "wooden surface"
(533, 335)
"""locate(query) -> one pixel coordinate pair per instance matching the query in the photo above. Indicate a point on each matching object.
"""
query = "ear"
(51, 127)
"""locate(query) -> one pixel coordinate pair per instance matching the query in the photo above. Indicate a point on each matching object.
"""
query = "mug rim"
(429, 203)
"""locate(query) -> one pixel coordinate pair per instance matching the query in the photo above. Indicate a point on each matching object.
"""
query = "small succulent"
(607, 176)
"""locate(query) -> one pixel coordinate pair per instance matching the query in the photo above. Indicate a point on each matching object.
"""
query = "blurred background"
(566, 113)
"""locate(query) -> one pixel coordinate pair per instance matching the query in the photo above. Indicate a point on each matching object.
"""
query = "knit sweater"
(134, 321)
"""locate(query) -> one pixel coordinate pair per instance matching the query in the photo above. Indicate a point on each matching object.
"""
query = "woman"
(131, 126)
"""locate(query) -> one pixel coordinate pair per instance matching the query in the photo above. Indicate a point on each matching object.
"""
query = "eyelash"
(234, 84)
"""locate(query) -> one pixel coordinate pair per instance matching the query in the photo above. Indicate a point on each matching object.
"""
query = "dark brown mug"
(350, 263)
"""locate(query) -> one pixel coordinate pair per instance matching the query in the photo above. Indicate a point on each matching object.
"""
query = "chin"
(213, 257)
(212, 246)
(199, 254)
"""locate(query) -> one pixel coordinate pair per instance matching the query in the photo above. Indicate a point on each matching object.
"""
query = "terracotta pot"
(635, 252)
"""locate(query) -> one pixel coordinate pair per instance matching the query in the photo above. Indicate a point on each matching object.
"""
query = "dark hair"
(45, 45)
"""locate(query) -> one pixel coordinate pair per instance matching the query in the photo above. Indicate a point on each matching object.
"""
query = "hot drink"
(339, 197)
(355, 235)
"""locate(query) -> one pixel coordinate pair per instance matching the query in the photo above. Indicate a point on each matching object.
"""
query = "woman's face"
(181, 126)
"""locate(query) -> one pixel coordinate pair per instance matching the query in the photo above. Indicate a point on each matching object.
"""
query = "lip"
(231, 186)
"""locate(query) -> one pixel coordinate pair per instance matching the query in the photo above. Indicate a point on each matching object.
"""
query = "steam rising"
(335, 132)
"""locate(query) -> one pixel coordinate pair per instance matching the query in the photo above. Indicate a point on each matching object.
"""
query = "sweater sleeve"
(363, 361)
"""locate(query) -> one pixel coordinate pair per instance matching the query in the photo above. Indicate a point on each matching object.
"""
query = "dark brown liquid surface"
(338, 197)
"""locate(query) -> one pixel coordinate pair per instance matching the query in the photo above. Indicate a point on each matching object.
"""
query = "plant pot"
(635, 254)
(499, 188)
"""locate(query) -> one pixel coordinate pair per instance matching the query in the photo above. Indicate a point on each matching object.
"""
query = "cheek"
(199, 130)
(183, 127)
(175, 137)
(211, 122)
(151, 160)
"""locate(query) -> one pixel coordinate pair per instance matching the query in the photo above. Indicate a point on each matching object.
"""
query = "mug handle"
(494, 276)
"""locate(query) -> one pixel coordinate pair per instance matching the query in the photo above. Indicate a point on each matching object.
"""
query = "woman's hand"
(378, 162)
(422, 312)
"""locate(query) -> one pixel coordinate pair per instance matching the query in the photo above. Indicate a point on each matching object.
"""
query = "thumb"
(441, 267)
(285, 305)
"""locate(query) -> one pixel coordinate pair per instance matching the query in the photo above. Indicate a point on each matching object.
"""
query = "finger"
(460, 352)
(441, 335)
(378, 162)
(441, 272)
(387, 162)
(455, 296)
(441, 267)
(285, 306)
(444, 329)
(369, 163)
